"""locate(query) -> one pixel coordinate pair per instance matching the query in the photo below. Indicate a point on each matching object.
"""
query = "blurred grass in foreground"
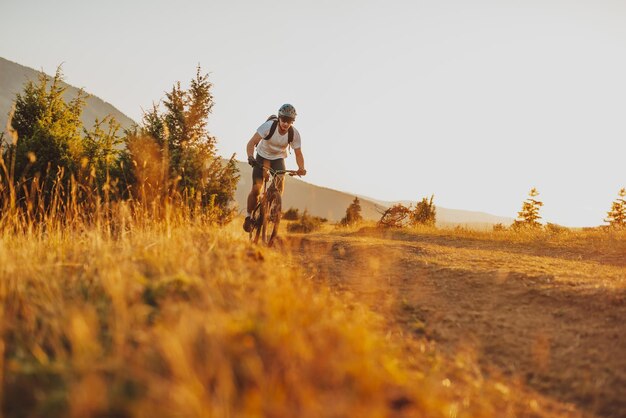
(191, 320)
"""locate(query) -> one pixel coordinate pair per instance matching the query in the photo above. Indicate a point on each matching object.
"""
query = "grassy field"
(186, 319)
(542, 308)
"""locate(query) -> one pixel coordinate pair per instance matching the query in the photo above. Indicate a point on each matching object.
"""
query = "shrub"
(424, 213)
(292, 214)
(306, 224)
(555, 229)
(396, 216)
(499, 227)
(353, 214)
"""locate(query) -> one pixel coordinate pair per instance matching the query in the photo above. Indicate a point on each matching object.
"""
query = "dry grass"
(607, 246)
(538, 308)
(184, 319)
(135, 309)
(190, 322)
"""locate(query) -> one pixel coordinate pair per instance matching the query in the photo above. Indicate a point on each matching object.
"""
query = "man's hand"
(251, 161)
(301, 172)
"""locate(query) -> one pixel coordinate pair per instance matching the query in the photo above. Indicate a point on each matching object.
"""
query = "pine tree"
(187, 152)
(529, 217)
(617, 215)
(102, 150)
(48, 130)
(353, 213)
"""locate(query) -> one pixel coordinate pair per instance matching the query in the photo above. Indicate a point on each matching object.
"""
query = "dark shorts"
(257, 171)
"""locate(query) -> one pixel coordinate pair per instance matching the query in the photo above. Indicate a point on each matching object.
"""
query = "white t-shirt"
(276, 147)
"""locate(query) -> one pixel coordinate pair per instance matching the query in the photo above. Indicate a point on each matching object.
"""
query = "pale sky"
(474, 101)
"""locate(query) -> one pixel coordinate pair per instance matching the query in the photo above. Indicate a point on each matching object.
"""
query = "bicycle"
(267, 213)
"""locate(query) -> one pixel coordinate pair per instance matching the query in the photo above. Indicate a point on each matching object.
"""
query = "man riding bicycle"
(271, 152)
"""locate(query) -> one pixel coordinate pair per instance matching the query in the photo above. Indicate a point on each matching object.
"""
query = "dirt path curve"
(553, 318)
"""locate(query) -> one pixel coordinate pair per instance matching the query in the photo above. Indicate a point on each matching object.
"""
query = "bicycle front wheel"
(271, 219)
(257, 222)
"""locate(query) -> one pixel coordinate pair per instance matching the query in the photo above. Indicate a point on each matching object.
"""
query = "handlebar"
(290, 172)
(279, 172)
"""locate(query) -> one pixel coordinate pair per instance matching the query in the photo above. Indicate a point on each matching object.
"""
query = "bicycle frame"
(268, 210)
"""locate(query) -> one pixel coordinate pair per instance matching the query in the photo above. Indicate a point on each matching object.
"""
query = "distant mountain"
(13, 77)
(332, 204)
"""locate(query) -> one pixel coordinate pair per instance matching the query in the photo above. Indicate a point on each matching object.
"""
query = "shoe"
(247, 224)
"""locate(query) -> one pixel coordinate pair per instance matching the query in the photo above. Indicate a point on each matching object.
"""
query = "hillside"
(13, 77)
(331, 204)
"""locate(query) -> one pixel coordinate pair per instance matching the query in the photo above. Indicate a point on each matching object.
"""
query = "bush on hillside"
(424, 213)
(555, 228)
(499, 227)
(306, 224)
(400, 216)
(353, 214)
(397, 216)
(292, 214)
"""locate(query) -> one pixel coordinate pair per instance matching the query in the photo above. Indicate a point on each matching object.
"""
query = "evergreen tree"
(189, 165)
(102, 151)
(617, 215)
(353, 213)
(529, 217)
(52, 151)
(48, 131)
(424, 213)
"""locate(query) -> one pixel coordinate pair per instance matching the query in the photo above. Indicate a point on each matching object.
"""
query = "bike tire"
(271, 219)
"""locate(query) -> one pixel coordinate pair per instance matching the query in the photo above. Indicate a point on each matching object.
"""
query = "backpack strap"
(273, 129)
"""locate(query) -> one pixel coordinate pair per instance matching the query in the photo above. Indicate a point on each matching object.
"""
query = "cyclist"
(271, 152)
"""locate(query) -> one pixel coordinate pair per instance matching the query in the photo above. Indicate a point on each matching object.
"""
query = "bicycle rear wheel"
(271, 219)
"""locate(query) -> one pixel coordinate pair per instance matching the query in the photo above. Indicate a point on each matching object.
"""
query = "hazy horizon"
(476, 103)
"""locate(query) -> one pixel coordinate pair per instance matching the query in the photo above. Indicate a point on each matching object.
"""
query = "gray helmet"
(287, 111)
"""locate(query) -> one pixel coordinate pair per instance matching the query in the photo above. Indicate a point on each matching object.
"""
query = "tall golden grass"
(172, 316)
(133, 309)
(146, 307)
(192, 320)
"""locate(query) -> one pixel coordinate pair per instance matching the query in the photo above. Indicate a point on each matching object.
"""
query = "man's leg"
(252, 201)
(253, 197)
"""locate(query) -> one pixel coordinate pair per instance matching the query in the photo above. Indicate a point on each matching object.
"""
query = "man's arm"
(253, 142)
(300, 162)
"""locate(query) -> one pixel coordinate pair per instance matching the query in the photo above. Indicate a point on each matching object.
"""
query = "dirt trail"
(552, 317)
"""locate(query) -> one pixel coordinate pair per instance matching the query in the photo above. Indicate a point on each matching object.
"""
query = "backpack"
(273, 129)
